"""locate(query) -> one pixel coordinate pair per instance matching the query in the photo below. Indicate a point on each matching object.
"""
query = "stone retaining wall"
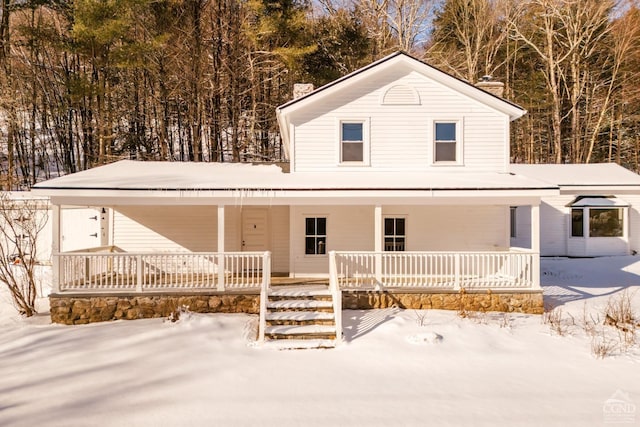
(81, 309)
(78, 310)
(520, 302)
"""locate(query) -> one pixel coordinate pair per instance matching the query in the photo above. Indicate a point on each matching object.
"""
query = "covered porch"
(356, 251)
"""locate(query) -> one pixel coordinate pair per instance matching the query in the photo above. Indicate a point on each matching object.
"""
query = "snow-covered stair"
(300, 317)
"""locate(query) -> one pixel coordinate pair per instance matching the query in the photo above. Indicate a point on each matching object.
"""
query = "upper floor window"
(446, 142)
(352, 141)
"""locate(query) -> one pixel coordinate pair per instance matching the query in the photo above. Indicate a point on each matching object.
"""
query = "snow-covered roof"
(605, 202)
(586, 175)
(134, 175)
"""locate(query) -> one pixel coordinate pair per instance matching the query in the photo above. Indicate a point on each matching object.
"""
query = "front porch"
(104, 284)
(110, 270)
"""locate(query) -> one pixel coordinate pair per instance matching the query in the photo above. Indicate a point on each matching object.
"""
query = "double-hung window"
(446, 142)
(394, 234)
(315, 236)
(351, 141)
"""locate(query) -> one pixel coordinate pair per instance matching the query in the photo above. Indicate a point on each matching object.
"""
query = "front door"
(254, 229)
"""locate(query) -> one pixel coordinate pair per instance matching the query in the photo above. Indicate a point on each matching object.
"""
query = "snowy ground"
(397, 368)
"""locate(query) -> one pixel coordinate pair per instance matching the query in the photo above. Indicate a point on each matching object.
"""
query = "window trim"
(365, 141)
(305, 235)
(405, 235)
(459, 141)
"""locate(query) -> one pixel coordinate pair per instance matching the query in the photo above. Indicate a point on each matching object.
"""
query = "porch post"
(625, 228)
(221, 265)
(535, 245)
(55, 248)
(378, 242)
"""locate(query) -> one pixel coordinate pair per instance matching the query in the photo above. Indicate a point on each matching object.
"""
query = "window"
(394, 234)
(351, 142)
(315, 236)
(446, 142)
(603, 222)
(513, 225)
(577, 223)
(606, 222)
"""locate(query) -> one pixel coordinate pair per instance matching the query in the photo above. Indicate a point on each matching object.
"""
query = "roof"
(184, 176)
(605, 202)
(399, 58)
(417, 63)
(580, 175)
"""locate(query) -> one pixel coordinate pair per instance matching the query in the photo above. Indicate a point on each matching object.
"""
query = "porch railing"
(435, 270)
(139, 272)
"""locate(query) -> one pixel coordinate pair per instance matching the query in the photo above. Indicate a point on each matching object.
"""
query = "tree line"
(88, 82)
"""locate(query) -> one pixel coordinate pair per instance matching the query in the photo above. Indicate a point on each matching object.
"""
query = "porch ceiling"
(189, 183)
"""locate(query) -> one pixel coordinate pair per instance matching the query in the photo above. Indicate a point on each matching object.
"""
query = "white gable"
(397, 99)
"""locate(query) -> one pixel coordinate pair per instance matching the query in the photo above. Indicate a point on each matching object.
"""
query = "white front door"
(254, 229)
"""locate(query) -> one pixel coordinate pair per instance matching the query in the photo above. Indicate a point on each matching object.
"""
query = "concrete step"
(300, 316)
(299, 344)
(298, 304)
(300, 330)
(300, 293)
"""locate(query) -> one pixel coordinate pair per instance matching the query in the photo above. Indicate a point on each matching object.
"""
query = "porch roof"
(168, 183)
(127, 175)
(580, 175)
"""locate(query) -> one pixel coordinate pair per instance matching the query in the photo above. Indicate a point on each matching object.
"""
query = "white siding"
(454, 228)
(348, 228)
(523, 228)
(166, 228)
(194, 229)
(554, 220)
(401, 136)
(436, 228)
(634, 221)
(279, 216)
(555, 231)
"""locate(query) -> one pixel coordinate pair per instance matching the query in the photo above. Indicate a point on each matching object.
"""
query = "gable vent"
(401, 95)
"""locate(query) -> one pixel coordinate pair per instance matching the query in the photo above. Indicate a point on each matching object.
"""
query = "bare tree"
(21, 222)
(470, 36)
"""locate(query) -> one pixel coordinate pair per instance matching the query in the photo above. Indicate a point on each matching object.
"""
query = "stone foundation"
(519, 302)
(81, 309)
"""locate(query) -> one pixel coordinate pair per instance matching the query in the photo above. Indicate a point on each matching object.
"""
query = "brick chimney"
(302, 89)
(493, 87)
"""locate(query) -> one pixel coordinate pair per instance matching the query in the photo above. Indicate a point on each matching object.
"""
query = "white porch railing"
(139, 272)
(435, 270)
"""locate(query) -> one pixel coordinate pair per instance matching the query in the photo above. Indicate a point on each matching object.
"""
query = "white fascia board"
(579, 190)
(301, 197)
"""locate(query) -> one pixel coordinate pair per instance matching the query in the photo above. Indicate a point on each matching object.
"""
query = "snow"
(243, 177)
(600, 201)
(395, 367)
(597, 174)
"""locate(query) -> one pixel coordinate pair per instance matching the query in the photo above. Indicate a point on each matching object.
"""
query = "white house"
(81, 231)
(595, 214)
(398, 192)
